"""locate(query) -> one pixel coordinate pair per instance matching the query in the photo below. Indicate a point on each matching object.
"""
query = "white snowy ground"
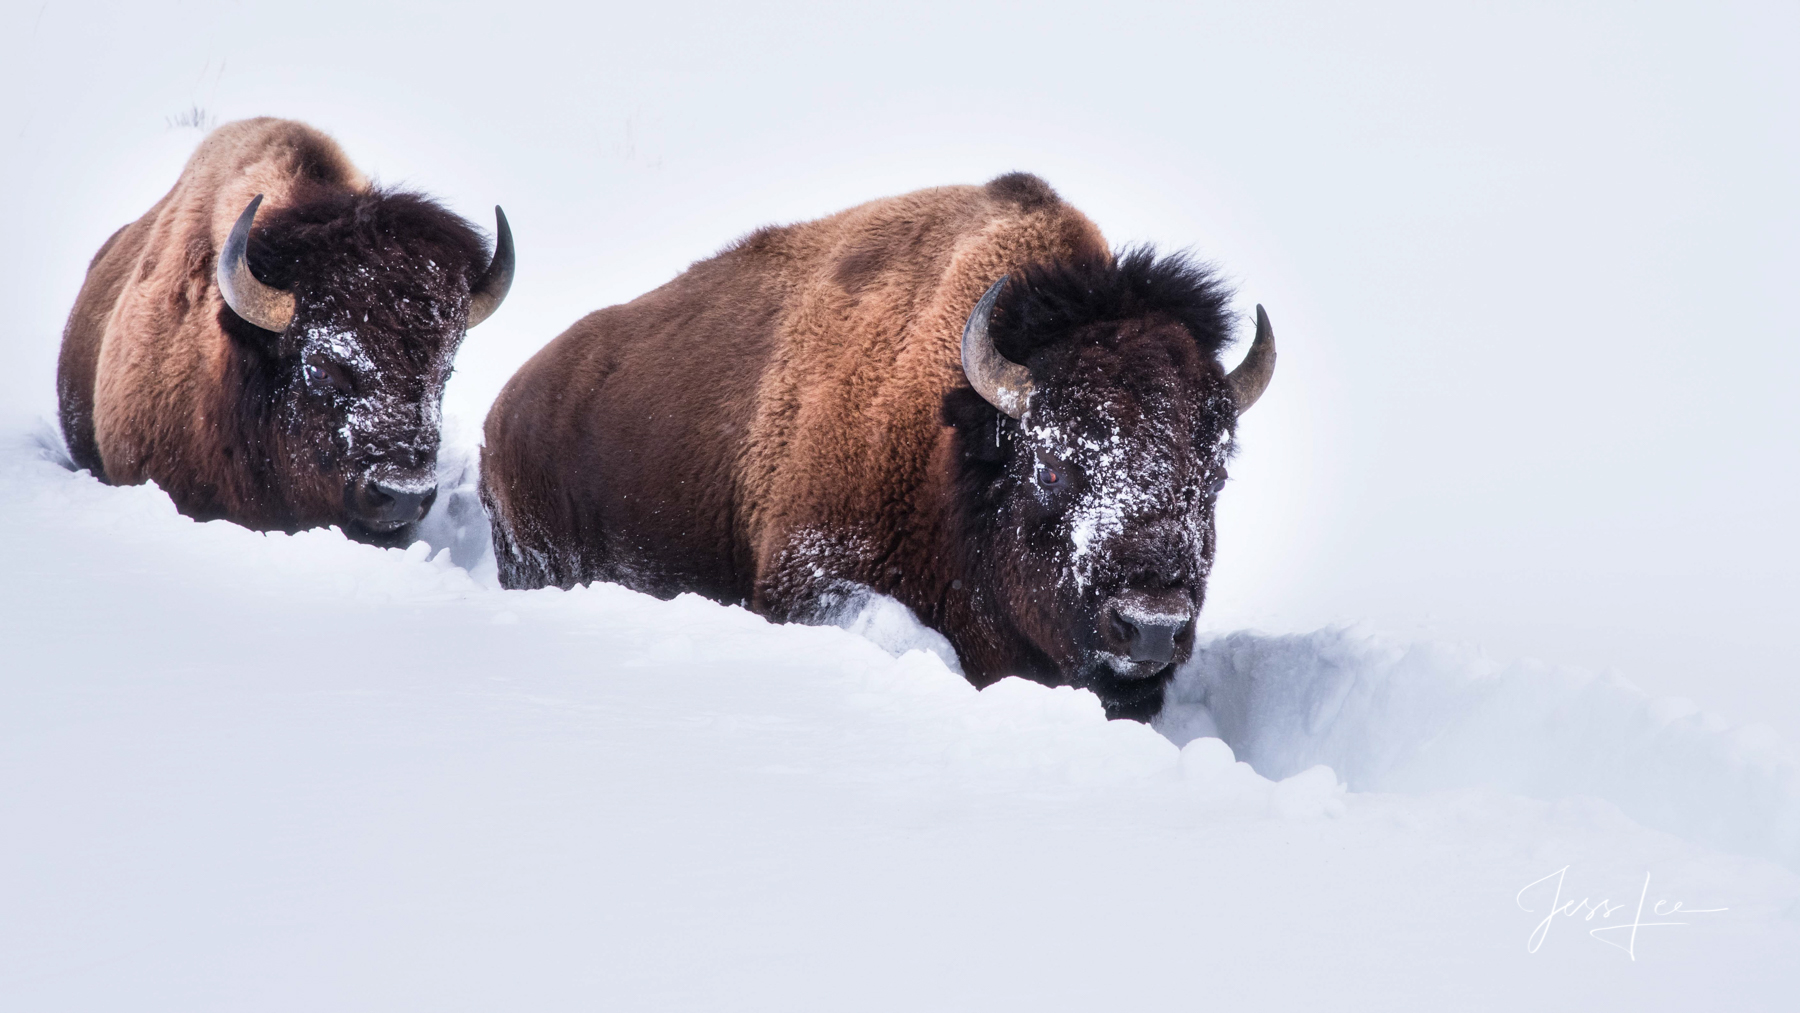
(248, 772)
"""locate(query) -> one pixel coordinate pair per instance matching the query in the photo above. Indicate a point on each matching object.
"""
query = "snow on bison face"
(1104, 518)
(362, 410)
(1091, 464)
(367, 299)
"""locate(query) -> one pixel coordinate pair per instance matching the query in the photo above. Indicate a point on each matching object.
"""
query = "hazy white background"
(1532, 266)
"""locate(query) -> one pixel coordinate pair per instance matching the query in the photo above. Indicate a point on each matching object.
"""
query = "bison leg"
(523, 564)
(811, 577)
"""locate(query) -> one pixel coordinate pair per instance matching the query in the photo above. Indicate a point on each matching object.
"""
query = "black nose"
(381, 505)
(1145, 628)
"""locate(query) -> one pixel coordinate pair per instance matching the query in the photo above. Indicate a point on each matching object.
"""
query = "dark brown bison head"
(1091, 449)
(348, 310)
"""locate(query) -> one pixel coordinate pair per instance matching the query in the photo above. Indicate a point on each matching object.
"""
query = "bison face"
(1090, 450)
(351, 308)
(355, 327)
(1101, 509)
(361, 417)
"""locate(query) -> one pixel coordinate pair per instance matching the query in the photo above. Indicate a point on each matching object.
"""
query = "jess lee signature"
(1662, 913)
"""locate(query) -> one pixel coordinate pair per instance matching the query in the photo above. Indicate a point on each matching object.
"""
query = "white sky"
(1532, 269)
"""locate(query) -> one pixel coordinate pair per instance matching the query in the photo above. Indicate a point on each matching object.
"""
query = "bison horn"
(268, 308)
(1251, 377)
(1001, 382)
(491, 290)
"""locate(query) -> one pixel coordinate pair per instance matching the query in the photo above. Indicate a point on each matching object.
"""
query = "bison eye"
(1217, 486)
(322, 373)
(1052, 473)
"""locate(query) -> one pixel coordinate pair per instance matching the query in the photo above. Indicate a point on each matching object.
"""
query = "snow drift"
(296, 772)
(1426, 717)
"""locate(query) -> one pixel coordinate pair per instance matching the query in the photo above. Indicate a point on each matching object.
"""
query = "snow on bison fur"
(957, 397)
(285, 378)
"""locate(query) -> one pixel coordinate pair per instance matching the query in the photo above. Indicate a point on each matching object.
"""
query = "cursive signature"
(1589, 909)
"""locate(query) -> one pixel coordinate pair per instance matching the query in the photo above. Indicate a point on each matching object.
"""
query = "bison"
(287, 377)
(959, 398)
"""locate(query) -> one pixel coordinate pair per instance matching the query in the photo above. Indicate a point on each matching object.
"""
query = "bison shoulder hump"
(1022, 189)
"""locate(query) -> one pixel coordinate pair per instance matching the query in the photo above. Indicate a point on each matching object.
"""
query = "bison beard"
(318, 404)
(791, 420)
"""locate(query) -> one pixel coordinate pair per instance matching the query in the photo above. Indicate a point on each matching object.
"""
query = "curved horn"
(487, 294)
(1251, 377)
(267, 307)
(1000, 381)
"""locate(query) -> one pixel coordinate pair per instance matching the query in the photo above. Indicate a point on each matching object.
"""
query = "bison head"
(350, 322)
(1091, 449)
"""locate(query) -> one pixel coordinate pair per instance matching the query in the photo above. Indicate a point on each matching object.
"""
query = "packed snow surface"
(244, 771)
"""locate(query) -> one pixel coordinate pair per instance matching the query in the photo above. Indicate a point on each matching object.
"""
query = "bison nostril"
(1123, 631)
(1146, 626)
(391, 506)
(1154, 642)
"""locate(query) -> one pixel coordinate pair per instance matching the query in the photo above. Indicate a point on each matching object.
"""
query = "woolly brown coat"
(767, 425)
(330, 419)
(144, 378)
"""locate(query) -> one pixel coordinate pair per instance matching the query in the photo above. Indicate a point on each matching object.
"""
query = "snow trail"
(1423, 717)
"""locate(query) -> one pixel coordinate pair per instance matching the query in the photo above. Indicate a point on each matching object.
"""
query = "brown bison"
(288, 377)
(958, 398)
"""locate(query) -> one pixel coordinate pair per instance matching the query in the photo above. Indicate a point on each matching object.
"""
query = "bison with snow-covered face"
(1089, 452)
(957, 397)
(270, 342)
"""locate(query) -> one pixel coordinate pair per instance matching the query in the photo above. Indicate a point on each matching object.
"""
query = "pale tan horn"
(497, 280)
(268, 308)
(1252, 376)
(1000, 381)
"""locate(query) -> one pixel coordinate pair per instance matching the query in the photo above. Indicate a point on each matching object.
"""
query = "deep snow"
(294, 772)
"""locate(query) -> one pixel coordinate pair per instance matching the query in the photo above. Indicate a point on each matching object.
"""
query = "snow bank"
(1426, 717)
(1315, 709)
(246, 771)
(891, 626)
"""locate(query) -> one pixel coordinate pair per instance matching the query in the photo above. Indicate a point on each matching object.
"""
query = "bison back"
(611, 455)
